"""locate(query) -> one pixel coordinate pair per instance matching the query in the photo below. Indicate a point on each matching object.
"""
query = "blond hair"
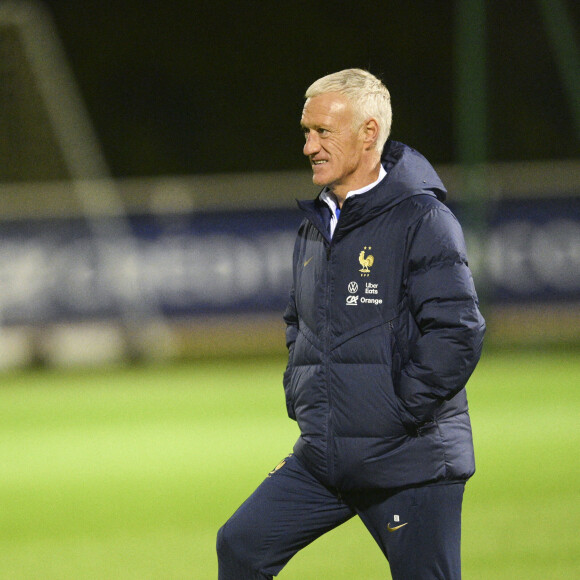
(368, 96)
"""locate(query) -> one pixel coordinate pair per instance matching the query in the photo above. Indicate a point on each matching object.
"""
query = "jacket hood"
(408, 174)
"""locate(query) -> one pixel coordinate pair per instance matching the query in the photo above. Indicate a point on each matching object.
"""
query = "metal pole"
(560, 30)
(470, 123)
(471, 101)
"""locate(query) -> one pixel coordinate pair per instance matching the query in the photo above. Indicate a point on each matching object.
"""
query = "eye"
(319, 130)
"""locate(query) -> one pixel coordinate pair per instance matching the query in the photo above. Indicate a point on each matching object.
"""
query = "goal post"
(46, 135)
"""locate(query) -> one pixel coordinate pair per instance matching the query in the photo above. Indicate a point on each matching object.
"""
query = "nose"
(312, 145)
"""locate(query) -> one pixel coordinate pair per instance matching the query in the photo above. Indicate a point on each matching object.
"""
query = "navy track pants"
(417, 528)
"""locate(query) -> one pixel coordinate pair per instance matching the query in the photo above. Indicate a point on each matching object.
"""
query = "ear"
(371, 132)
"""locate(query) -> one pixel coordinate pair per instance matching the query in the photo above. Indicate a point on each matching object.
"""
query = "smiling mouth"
(321, 162)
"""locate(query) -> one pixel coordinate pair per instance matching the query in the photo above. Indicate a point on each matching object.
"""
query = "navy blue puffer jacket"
(383, 331)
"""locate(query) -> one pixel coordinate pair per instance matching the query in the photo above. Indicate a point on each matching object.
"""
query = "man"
(383, 331)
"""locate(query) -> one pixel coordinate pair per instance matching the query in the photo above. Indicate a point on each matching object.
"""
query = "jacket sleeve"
(444, 306)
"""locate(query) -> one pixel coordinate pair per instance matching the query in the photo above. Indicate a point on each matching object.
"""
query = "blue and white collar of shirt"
(328, 197)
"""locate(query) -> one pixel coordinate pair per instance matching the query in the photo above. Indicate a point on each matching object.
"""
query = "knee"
(235, 550)
(224, 543)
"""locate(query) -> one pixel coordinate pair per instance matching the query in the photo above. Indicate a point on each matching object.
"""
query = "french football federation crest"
(366, 262)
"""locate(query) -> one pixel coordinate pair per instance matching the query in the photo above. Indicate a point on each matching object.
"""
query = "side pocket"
(397, 356)
(288, 383)
(400, 331)
(409, 422)
(400, 357)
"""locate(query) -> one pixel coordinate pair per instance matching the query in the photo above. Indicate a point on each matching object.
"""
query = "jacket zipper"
(330, 438)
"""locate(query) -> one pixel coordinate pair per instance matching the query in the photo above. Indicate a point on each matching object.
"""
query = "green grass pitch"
(128, 473)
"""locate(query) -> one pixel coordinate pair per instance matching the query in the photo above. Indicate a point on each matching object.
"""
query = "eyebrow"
(315, 127)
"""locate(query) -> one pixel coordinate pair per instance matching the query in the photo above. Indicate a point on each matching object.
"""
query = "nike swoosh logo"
(308, 261)
(396, 527)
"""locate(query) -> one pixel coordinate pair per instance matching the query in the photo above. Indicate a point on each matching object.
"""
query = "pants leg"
(289, 510)
(418, 529)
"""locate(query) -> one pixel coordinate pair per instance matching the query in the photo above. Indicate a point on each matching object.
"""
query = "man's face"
(333, 147)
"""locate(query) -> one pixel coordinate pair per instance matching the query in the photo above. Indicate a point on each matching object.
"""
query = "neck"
(364, 176)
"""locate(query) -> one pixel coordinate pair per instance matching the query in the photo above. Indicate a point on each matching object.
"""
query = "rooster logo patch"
(366, 262)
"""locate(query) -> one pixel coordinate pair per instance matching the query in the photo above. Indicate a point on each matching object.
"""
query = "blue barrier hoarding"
(239, 261)
(53, 270)
(532, 250)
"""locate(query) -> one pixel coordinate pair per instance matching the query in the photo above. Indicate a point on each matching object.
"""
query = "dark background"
(182, 87)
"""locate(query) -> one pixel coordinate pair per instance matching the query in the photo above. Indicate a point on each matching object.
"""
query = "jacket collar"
(408, 174)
